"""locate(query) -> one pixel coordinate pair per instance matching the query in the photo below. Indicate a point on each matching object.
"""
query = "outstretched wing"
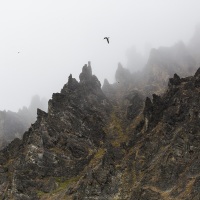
(107, 40)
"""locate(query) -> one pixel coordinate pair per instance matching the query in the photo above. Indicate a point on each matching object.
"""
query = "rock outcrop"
(91, 147)
(162, 64)
(166, 61)
(60, 144)
(156, 157)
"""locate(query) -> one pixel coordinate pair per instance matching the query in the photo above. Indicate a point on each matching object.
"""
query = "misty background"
(42, 42)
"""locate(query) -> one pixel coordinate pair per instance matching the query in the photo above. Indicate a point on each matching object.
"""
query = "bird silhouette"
(107, 38)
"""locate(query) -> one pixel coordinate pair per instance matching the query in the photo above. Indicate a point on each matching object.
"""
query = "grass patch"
(40, 193)
(99, 154)
(97, 157)
(64, 184)
(115, 130)
(62, 187)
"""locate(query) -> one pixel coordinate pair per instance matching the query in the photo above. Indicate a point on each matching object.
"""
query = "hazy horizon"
(56, 38)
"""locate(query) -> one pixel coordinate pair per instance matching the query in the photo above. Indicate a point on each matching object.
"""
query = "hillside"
(89, 147)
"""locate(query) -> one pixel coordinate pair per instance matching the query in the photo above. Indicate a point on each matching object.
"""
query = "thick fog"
(42, 42)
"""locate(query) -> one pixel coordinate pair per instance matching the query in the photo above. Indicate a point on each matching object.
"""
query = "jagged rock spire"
(122, 74)
(86, 76)
(197, 77)
(106, 83)
(176, 80)
(197, 74)
(86, 73)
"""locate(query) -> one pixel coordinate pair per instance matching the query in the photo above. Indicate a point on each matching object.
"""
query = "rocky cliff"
(60, 144)
(155, 155)
(89, 146)
(153, 78)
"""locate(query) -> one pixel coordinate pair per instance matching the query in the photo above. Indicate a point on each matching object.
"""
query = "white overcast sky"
(57, 37)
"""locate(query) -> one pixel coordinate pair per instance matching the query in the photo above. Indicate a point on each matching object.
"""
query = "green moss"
(64, 184)
(97, 157)
(99, 153)
(56, 150)
(40, 193)
(115, 130)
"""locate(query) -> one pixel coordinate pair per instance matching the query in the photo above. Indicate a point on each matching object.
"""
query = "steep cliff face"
(157, 155)
(58, 146)
(168, 145)
(166, 61)
(90, 147)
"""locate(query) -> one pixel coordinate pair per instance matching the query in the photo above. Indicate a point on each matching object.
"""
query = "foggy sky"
(57, 37)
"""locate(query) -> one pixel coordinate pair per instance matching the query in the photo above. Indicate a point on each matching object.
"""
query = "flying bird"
(107, 38)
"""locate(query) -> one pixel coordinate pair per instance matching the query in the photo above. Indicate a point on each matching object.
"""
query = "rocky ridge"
(153, 78)
(90, 146)
(58, 146)
(154, 156)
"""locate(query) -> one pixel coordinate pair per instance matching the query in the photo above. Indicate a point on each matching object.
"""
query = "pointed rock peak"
(89, 64)
(120, 66)
(148, 101)
(197, 74)
(176, 77)
(71, 80)
(106, 82)
(106, 85)
(176, 80)
(87, 78)
(122, 74)
(153, 53)
(41, 114)
(72, 83)
(148, 105)
(86, 72)
(197, 78)
(70, 77)
(156, 99)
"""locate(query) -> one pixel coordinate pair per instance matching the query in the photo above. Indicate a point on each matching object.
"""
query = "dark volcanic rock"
(161, 160)
(60, 143)
(175, 81)
(88, 147)
(136, 101)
